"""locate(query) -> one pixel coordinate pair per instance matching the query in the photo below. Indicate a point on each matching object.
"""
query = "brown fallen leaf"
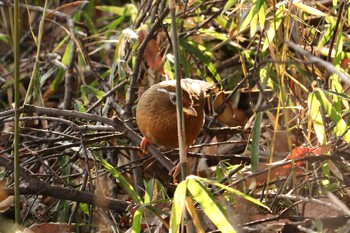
(230, 116)
(50, 227)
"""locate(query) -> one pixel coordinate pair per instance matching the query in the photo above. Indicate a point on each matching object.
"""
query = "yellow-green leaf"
(316, 118)
(177, 208)
(255, 142)
(308, 9)
(121, 180)
(340, 125)
(136, 222)
(209, 205)
(233, 191)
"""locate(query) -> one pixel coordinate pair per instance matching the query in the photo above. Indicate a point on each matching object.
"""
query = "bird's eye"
(172, 97)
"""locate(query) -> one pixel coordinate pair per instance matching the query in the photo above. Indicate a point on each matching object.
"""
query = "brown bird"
(156, 112)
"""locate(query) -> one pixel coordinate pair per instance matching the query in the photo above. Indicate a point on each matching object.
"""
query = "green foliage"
(121, 180)
(207, 201)
(255, 141)
(340, 126)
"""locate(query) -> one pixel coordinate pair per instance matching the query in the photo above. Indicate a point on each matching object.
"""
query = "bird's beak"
(190, 111)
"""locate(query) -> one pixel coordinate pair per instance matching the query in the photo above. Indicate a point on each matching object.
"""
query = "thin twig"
(327, 65)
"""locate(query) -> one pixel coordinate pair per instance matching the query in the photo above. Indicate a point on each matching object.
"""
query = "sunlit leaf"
(85, 208)
(338, 48)
(228, 5)
(233, 191)
(327, 35)
(4, 37)
(340, 125)
(121, 180)
(209, 205)
(253, 17)
(177, 208)
(262, 15)
(308, 9)
(316, 118)
(127, 9)
(136, 221)
(190, 206)
(273, 27)
(213, 33)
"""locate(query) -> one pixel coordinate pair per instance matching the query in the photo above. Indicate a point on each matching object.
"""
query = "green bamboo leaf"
(85, 208)
(338, 48)
(169, 64)
(308, 9)
(136, 221)
(340, 124)
(126, 10)
(148, 191)
(213, 33)
(4, 37)
(262, 15)
(223, 21)
(316, 118)
(246, 21)
(327, 35)
(255, 142)
(348, 10)
(196, 50)
(209, 205)
(252, 17)
(88, 89)
(203, 54)
(177, 208)
(273, 27)
(79, 106)
(228, 5)
(121, 180)
(231, 190)
(337, 88)
(66, 55)
(338, 93)
(254, 24)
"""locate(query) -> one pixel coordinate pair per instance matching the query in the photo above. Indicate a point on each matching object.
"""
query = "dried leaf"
(230, 116)
(151, 54)
(50, 227)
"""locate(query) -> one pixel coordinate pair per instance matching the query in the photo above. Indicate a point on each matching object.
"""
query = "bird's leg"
(144, 143)
(177, 169)
(175, 172)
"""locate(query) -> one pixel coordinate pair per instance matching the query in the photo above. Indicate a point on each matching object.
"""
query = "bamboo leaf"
(340, 125)
(273, 27)
(328, 33)
(228, 5)
(126, 10)
(233, 191)
(121, 180)
(190, 206)
(209, 205)
(177, 208)
(308, 9)
(316, 118)
(136, 221)
(255, 142)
